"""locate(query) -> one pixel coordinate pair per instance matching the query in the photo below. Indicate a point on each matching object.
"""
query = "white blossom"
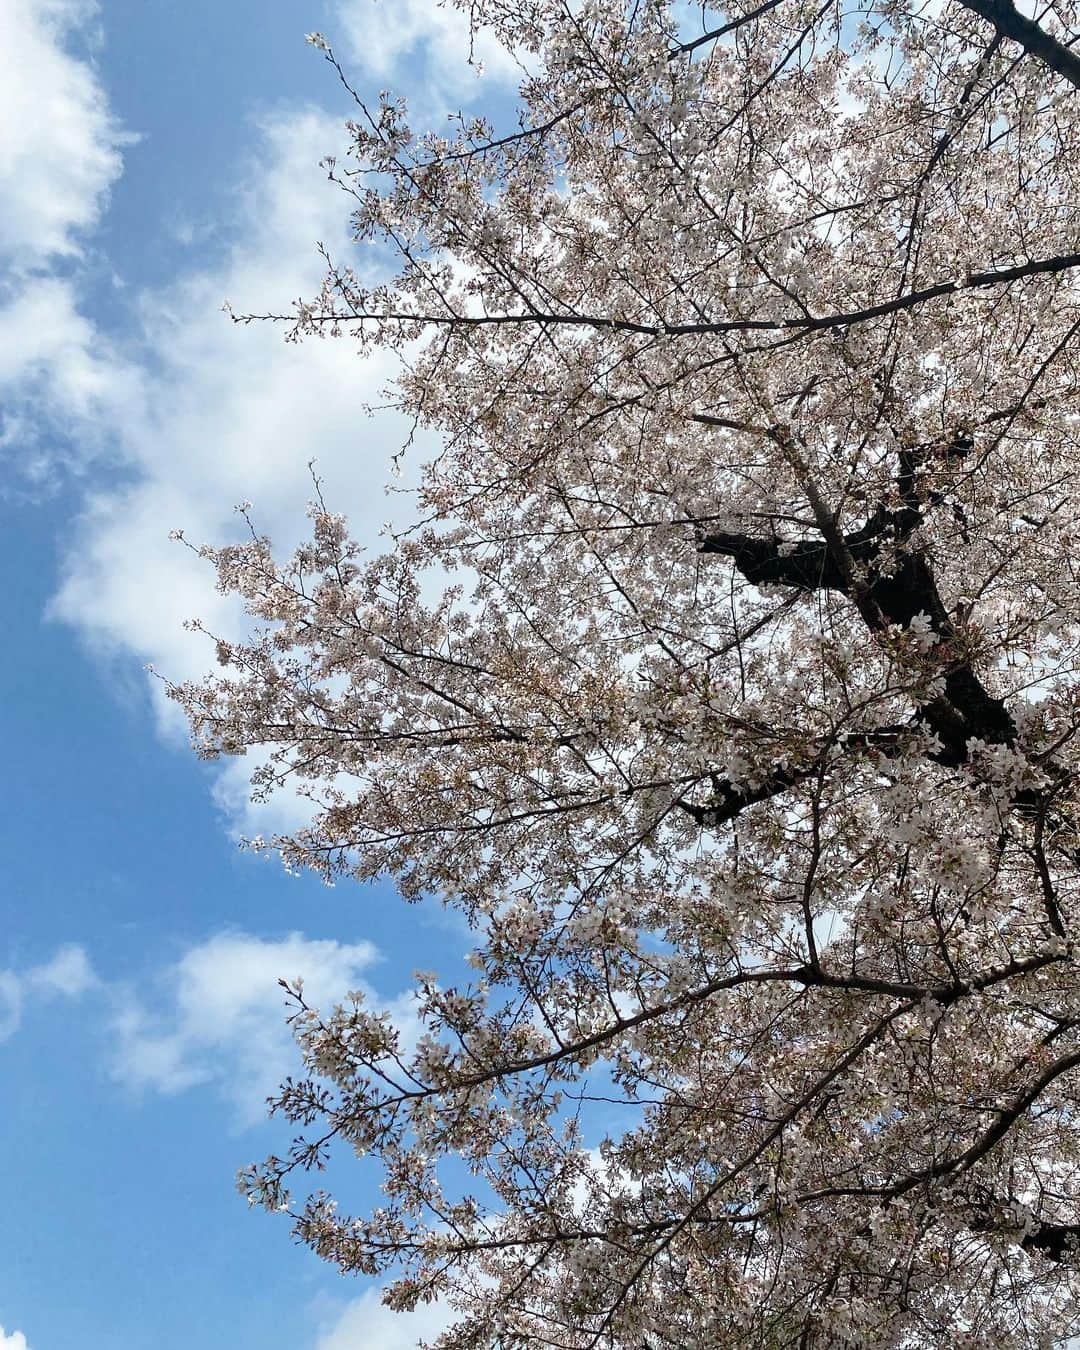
(744, 731)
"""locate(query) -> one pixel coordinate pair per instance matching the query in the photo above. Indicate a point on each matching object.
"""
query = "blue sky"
(157, 159)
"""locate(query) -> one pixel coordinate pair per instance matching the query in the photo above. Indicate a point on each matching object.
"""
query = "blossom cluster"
(744, 731)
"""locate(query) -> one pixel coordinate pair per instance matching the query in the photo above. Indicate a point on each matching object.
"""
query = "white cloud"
(67, 975)
(42, 332)
(63, 151)
(229, 413)
(444, 59)
(58, 373)
(283, 814)
(16, 1341)
(58, 159)
(10, 1003)
(366, 1324)
(217, 1016)
(198, 413)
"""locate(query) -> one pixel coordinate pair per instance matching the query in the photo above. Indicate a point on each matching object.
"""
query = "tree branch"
(799, 325)
(1007, 20)
(966, 710)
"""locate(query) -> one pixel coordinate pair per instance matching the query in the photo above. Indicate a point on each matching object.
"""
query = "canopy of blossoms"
(745, 730)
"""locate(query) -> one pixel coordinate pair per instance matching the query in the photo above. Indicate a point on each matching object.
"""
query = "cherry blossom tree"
(726, 682)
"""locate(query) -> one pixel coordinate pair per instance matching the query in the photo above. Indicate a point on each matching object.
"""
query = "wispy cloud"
(216, 1017)
(56, 173)
(432, 41)
(230, 413)
(366, 1322)
(197, 413)
(68, 974)
(56, 369)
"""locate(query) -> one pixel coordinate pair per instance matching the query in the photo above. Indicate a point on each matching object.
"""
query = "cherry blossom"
(744, 733)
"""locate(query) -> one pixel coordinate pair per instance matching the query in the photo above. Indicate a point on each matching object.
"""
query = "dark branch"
(1057, 1241)
(728, 802)
(799, 325)
(1010, 23)
(966, 710)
